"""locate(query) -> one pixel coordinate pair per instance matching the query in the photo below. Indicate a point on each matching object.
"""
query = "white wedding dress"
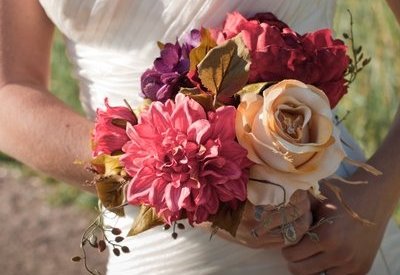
(111, 43)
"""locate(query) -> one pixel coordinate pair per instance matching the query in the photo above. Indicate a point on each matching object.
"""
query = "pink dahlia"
(185, 162)
(109, 134)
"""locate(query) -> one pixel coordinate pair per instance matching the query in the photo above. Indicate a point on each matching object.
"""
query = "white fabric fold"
(111, 43)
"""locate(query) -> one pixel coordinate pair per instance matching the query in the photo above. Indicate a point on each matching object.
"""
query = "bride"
(111, 43)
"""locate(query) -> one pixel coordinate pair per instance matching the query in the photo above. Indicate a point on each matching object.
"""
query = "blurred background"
(42, 219)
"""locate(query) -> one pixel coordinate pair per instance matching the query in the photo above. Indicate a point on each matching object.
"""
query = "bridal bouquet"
(237, 113)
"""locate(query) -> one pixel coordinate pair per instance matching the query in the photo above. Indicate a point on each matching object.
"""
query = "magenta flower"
(109, 134)
(279, 53)
(185, 162)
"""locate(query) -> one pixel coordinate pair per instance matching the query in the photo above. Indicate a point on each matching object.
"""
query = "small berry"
(181, 226)
(102, 245)
(116, 252)
(119, 239)
(167, 226)
(125, 249)
(76, 259)
(116, 231)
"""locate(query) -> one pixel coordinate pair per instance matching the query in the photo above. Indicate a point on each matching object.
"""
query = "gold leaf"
(225, 69)
(338, 193)
(198, 53)
(204, 99)
(110, 190)
(254, 88)
(227, 218)
(364, 166)
(109, 164)
(146, 219)
(160, 45)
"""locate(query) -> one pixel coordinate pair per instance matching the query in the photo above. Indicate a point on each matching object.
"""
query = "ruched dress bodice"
(111, 43)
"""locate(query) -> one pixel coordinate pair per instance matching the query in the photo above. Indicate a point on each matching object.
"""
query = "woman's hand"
(345, 246)
(266, 231)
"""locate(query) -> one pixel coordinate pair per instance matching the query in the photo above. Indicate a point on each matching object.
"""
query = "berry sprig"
(95, 236)
(358, 61)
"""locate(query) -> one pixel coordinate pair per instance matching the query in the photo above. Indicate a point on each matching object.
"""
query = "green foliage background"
(374, 97)
(372, 100)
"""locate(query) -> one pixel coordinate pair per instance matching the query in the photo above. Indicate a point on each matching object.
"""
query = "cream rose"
(291, 138)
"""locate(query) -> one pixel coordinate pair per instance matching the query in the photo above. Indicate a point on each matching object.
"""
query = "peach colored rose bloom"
(291, 138)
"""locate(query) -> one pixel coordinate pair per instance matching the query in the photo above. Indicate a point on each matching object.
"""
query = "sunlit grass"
(374, 97)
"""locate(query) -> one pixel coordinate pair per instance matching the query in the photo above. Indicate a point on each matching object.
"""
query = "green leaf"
(198, 53)
(204, 99)
(366, 62)
(146, 219)
(227, 218)
(225, 69)
(110, 190)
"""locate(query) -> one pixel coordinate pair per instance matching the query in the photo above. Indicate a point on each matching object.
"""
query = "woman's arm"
(346, 246)
(35, 127)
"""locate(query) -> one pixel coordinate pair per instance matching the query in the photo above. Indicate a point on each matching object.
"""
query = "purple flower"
(169, 71)
(192, 39)
(163, 81)
(159, 86)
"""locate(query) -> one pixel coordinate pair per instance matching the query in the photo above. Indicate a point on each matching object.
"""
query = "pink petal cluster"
(185, 162)
(109, 134)
(279, 53)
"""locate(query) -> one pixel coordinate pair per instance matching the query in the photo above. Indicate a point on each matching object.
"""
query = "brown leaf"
(119, 122)
(198, 53)
(204, 99)
(228, 218)
(225, 69)
(110, 190)
(146, 219)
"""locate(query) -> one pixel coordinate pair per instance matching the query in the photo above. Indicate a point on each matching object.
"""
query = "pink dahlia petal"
(172, 197)
(139, 189)
(199, 131)
(224, 123)
(193, 110)
(157, 191)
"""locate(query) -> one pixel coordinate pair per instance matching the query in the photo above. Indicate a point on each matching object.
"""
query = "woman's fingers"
(264, 226)
(262, 236)
(304, 249)
(314, 265)
(272, 218)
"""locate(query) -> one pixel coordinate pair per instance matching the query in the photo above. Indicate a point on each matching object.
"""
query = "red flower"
(184, 162)
(279, 53)
(109, 134)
